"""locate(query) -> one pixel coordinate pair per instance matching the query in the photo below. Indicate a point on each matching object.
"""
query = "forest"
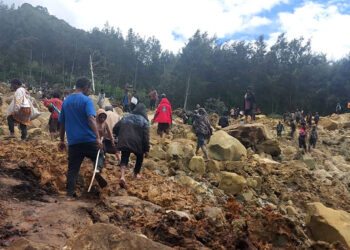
(38, 47)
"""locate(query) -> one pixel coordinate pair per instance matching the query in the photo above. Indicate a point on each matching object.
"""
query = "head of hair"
(56, 95)
(163, 95)
(109, 108)
(82, 82)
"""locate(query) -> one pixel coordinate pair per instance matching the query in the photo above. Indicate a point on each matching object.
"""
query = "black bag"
(107, 146)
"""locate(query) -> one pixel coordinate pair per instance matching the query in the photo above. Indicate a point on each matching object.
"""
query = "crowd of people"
(94, 134)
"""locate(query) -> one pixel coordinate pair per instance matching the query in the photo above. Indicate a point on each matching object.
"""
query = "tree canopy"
(38, 47)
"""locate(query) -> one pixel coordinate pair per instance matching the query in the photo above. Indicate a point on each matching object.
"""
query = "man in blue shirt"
(126, 100)
(77, 118)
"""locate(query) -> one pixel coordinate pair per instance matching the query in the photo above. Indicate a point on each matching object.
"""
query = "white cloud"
(160, 18)
(324, 24)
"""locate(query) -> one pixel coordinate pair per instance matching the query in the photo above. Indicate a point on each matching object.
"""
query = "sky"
(173, 22)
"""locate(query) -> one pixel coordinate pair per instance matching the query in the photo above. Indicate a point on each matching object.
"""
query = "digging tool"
(95, 169)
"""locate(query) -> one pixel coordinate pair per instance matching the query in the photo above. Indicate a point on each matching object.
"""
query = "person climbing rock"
(77, 118)
(249, 105)
(302, 138)
(132, 132)
(316, 118)
(19, 110)
(313, 138)
(153, 98)
(292, 128)
(279, 129)
(163, 116)
(224, 121)
(202, 130)
(101, 99)
(53, 121)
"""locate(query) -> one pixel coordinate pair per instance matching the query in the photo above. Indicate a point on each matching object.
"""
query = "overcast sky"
(326, 22)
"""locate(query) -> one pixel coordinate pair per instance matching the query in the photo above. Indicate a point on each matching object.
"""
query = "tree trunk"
(187, 90)
(41, 67)
(92, 75)
(72, 70)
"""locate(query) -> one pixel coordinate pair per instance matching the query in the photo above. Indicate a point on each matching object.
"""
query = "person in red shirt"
(163, 116)
(53, 121)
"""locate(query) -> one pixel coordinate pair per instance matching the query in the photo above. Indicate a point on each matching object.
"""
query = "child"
(53, 121)
(133, 137)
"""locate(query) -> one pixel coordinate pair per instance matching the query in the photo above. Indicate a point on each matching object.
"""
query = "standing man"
(153, 97)
(280, 127)
(338, 108)
(163, 116)
(77, 118)
(317, 118)
(249, 103)
(126, 100)
(19, 111)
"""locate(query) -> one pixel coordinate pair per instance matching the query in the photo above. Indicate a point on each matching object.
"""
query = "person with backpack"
(53, 121)
(132, 132)
(313, 138)
(19, 110)
(163, 116)
(202, 130)
(279, 128)
(302, 138)
(292, 128)
(77, 119)
(317, 118)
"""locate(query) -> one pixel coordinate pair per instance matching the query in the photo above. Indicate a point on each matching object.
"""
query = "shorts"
(54, 125)
(163, 127)
(200, 140)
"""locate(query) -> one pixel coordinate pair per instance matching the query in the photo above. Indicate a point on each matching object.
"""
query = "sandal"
(122, 184)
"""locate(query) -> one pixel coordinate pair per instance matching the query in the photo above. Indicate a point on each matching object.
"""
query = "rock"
(289, 150)
(34, 133)
(157, 152)
(309, 161)
(291, 210)
(328, 224)
(215, 216)
(248, 196)
(25, 244)
(107, 236)
(328, 123)
(232, 166)
(35, 123)
(213, 166)
(232, 183)
(192, 184)
(269, 147)
(150, 164)
(175, 149)
(180, 149)
(224, 147)
(181, 214)
(248, 134)
(134, 202)
(197, 165)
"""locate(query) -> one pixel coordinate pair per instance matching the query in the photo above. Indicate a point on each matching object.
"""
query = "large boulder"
(328, 123)
(157, 152)
(232, 183)
(108, 237)
(224, 147)
(248, 134)
(327, 224)
(197, 165)
(269, 147)
(188, 182)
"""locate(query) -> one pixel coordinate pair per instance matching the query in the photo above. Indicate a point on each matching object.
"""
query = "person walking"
(202, 130)
(101, 99)
(53, 121)
(132, 132)
(316, 118)
(292, 128)
(19, 110)
(112, 119)
(313, 138)
(279, 129)
(338, 108)
(302, 138)
(126, 100)
(77, 119)
(163, 116)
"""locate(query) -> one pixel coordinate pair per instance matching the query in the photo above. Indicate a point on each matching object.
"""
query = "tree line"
(39, 47)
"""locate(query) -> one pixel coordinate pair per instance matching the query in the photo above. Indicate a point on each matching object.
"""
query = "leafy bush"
(213, 105)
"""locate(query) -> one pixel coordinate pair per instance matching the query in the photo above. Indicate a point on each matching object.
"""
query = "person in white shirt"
(19, 110)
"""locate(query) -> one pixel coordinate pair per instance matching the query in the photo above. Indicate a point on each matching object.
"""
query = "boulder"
(34, 133)
(327, 224)
(23, 243)
(328, 123)
(157, 152)
(191, 184)
(106, 236)
(213, 166)
(309, 161)
(175, 149)
(248, 134)
(269, 147)
(197, 165)
(232, 183)
(215, 216)
(224, 147)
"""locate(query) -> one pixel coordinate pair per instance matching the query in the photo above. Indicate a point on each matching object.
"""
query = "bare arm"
(110, 135)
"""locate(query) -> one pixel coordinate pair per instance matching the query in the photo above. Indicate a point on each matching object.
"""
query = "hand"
(61, 146)
(99, 144)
